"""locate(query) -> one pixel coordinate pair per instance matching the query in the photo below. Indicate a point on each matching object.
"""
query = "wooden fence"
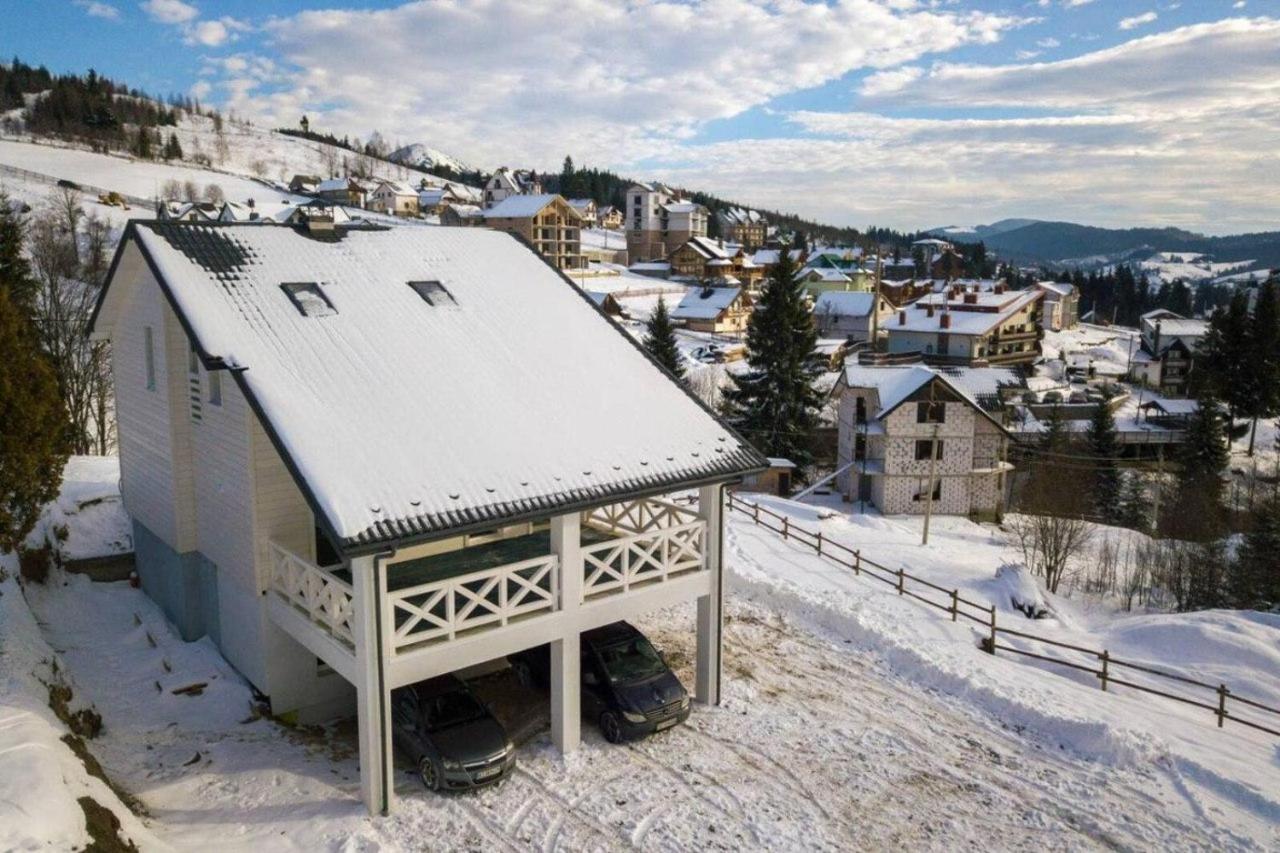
(1098, 663)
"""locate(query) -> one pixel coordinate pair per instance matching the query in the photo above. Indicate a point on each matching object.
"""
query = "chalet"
(848, 314)
(767, 259)
(1167, 353)
(433, 200)
(609, 217)
(721, 310)
(462, 215)
(497, 487)
(898, 269)
(775, 481)
(394, 198)
(966, 327)
(707, 260)
(658, 221)
(819, 280)
(607, 303)
(1061, 305)
(747, 228)
(349, 191)
(586, 208)
(897, 425)
(547, 222)
(505, 183)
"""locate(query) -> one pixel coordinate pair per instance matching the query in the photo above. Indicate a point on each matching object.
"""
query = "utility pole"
(1155, 513)
(933, 466)
(875, 302)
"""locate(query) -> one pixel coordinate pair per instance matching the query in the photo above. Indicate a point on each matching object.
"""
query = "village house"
(608, 304)
(547, 222)
(349, 191)
(505, 183)
(609, 218)
(898, 269)
(915, 438)
(823, 279)
(658, 221)
(767, 259)
(433, 200)
(962, 326)
(705, 259)
(1061, 305)
(394, 198)
(462, 215)
(720, 310)
(747, 228)
(304, 184)
(848, 314)
(1167, 352)
(586, 208)
(497, 488)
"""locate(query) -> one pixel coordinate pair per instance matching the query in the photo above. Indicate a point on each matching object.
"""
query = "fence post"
(857, 562)
(1222, 703)
(1106, 659)
(955, 604)
(992, 650)
(901, 581)
(819, 543)
(786, 528)
(755, 513)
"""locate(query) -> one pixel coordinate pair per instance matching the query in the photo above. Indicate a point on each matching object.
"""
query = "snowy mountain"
(966, 233)
(420, 156)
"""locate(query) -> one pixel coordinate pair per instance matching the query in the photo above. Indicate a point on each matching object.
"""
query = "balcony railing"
(323, 597)
(641, 558)
(441, 610)
(638, 516)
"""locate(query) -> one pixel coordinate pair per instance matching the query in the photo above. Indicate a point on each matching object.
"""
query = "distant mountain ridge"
(422, 156)
(1069, 244)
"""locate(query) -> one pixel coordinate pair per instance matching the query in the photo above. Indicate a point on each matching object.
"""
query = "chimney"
(930, 309)
(971, 299)
(999, 288)
(944, 322)
(902, 318)
(1155, 345)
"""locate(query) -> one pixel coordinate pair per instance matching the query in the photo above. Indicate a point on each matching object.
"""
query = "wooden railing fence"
(957, 606)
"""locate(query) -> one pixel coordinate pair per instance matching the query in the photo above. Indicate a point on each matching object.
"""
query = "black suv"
(450, 735)
(627, 686)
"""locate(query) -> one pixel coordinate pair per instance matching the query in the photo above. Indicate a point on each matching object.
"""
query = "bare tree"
(190, 192)
(213, 193)
(1049, 542)
(171, 190)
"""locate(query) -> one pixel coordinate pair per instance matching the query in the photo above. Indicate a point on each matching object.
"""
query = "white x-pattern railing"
(639, 516)
(440, 610)
(619, 564)
(323, 597)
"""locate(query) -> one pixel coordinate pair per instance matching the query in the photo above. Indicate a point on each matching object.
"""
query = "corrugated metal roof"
(404, 420)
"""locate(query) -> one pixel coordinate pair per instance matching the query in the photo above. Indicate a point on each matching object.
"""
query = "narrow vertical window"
(149, 354)
(215, 387)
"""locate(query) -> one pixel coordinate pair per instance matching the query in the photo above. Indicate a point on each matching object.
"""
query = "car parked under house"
(359, 457)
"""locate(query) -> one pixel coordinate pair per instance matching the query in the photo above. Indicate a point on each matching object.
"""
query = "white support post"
(710, 606)
(373, 700)
(566, 661)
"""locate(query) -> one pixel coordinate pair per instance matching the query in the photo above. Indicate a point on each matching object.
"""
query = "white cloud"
(213, 33)
(96, 9)
(1048, 43)
(1137, 20)
(170, 11)
(605, 80)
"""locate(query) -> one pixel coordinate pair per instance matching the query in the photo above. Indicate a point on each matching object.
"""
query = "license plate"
(489, 772)
(666, 724)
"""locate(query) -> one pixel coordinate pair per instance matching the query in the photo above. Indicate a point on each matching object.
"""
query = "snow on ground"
(89, 510)
(1187, 266)
(851, 719)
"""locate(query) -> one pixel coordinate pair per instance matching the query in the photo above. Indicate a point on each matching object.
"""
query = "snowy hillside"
(1190, 267)
(423, 156)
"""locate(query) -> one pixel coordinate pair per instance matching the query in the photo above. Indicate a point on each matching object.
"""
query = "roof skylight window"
(433, 293)
(309, 299)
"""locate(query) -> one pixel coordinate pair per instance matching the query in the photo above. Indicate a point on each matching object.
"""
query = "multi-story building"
(1061, 305)
(912, 438)
(658, 221)
(748, 228)
(962, 326)
(705, 259)
(547, 222)
(394, 198)
(505, 183)
(1167, 353)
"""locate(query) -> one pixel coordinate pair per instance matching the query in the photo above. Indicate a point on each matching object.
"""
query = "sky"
(907, 114)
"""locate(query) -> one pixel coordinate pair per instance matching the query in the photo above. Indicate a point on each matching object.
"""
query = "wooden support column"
(710, 606)
(373, 699)
(566, 660)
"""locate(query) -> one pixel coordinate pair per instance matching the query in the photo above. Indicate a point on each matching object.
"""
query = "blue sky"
(908, 113)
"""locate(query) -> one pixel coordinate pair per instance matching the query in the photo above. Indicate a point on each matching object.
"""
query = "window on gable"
(149, 355)
(309, 299)
(922, 491)
(433, 293)
(215, 387)
(924, 449)
(928, 412)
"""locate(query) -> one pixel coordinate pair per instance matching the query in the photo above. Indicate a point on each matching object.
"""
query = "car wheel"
(610, 727)
(524, 675)
(430, 775)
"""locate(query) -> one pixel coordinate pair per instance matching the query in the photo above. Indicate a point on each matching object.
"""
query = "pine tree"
(775, 402)
(173, 148)
(1055, 438)
(1135, 506)
(1263, 361)
(15, 268)
(1255, 573)
(1104, 447)
(661, 340)
(1195, 511)
(1222, 365)
(33, 451)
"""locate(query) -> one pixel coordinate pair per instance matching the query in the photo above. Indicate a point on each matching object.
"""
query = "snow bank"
(88, 519)
(41, 779)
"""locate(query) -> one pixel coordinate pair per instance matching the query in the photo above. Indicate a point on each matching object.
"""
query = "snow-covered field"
(852, 718)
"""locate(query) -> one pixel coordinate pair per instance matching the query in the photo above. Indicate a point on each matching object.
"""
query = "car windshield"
(451, 709)
(631, 660)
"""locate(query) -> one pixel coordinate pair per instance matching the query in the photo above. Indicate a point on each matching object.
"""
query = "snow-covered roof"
(708, 248)
(965, 322)
(1173, 407)
(1060, 288)
(829, 274)
(740, 216)
(581, 204)
(893, 384)
(844, 303)
(705, 303)
(403, 419)
(333, 185)
(522, 206)
(682, 207)
(397, 187)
